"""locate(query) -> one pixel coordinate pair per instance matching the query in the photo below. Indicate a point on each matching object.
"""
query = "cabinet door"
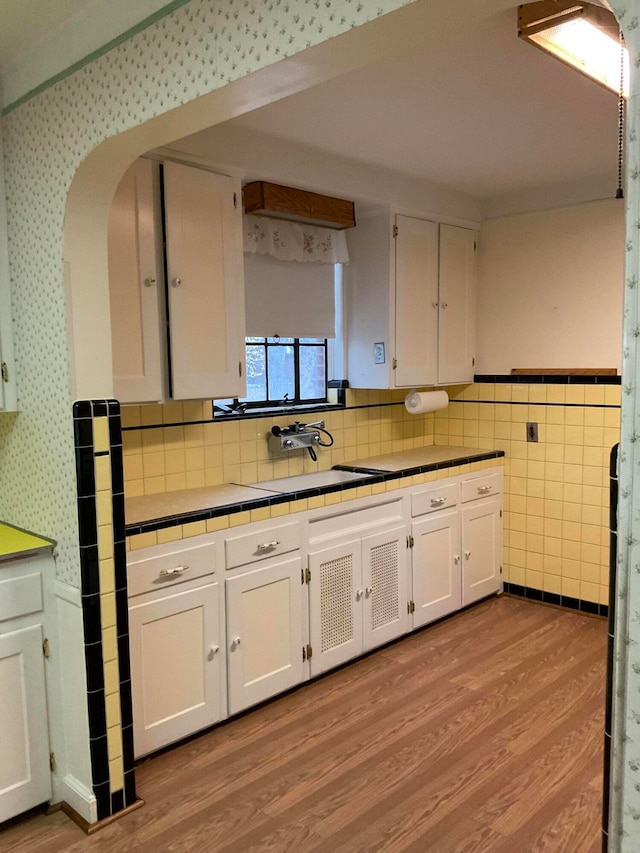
(136, 287)
(25, 780)
(436, 566)
(385, 578)
(264, 631)
(416, 300)
(335, 605)
(176, 666)
(205, 283)
(482, 549)
(456, 320)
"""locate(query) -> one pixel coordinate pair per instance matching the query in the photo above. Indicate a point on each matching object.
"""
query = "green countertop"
(15, 542)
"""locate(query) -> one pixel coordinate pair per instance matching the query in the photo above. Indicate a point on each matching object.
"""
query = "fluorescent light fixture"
(581, 35)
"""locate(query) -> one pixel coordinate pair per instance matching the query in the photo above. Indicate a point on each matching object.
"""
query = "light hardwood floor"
(480, 734)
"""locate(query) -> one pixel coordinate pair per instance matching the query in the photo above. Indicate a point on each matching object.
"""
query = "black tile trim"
(547, 379)
(275, 499)
(550, 405)
(566, 601)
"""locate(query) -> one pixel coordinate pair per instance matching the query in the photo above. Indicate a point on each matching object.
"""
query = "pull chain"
(621, 116)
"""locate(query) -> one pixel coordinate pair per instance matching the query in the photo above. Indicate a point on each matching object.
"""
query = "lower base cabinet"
(25, 779)
(482, 549)
(287, 619)
(436, 566)
(176, 665)
(264, 632)
(357, 596)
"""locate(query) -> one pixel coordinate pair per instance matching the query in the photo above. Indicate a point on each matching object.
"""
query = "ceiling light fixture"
(582, 35)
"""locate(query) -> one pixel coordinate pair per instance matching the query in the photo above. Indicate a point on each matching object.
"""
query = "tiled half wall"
(556, 489)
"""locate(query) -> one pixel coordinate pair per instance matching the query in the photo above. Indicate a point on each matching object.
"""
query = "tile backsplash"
(556, 532)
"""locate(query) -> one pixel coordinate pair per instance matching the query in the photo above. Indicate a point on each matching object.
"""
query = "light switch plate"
(378, 353)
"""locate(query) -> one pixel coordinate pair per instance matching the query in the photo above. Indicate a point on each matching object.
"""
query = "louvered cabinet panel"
(335, 605)
(385, 576)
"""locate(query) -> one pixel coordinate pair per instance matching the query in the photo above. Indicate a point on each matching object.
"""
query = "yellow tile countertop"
(409, 460)
(146, 513)
(170, 504)
(15, 542)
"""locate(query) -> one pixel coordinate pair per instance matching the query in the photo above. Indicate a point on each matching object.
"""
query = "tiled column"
(98, 444)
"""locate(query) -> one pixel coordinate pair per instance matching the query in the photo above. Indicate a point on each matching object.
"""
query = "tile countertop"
(411, 461)
(171, 504)
(15, 542)
(152, 512)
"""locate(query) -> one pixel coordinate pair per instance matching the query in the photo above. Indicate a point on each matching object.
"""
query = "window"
(289, 370)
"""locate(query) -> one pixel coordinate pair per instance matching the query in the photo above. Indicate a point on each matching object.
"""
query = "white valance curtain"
(294, 241)
(289, 277)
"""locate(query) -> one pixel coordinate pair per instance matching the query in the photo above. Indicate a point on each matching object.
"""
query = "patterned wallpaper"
(625, 796)
(197, 48)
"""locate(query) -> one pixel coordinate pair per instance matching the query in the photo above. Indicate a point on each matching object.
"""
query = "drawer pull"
(178, 570)
(267, 546)
(484, 489)
(438, 501)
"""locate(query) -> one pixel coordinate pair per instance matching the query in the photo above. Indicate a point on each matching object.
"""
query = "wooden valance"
(261, 198)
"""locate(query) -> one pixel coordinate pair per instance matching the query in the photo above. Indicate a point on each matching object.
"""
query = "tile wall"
(556, 489)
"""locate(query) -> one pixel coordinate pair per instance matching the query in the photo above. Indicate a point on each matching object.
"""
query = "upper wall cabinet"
(411, 302)
(202, 297)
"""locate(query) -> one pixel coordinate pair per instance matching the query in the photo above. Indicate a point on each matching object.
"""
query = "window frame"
(242, 404)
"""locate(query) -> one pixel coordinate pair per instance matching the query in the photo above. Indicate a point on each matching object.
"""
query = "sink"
(316, 480)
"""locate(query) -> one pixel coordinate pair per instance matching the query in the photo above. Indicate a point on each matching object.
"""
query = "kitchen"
(463, 419)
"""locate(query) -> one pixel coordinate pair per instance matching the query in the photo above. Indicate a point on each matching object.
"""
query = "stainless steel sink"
(316, 480)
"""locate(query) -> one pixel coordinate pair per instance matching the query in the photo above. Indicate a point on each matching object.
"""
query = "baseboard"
(78, 799)
(90, 828)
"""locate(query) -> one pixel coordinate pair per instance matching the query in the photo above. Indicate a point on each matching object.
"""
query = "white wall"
(550, 289)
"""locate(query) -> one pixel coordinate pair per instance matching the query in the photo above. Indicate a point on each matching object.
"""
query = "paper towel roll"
(418, 402)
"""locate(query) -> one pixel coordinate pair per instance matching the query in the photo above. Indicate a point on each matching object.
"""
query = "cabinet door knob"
(467, 554)
(359, 594)
(434, 304)
(444, 304)
(456, 559)
(176, 282)
(236, 641)
(149, 282)
(213, 651)
(369, 590)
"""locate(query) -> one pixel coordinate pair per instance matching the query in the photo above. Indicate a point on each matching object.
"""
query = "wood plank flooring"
(482, 734)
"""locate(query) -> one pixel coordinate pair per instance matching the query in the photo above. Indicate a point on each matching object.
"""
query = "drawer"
(258, 545)
(435, 498)
(19, 596)
(345, 521)
(167, 565)
(482, 486)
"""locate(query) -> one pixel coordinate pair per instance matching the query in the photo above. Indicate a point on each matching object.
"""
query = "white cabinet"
(358, 596)
(435, 561)
(25, 779)
(203, 297)
(176, 635)
(456, 556)
(264, 631)
(482, 549)
(411, 288)
(136, 287)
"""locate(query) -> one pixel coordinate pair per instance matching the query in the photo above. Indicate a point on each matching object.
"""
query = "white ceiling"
(478, 111)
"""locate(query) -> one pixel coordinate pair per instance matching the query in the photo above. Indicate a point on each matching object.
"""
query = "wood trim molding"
(90, 828)
(261, 198)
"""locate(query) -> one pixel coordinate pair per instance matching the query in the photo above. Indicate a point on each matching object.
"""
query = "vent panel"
(336, 602)
(385, 598)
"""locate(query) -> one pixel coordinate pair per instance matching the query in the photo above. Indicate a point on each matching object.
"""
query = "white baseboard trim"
(81, 799)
